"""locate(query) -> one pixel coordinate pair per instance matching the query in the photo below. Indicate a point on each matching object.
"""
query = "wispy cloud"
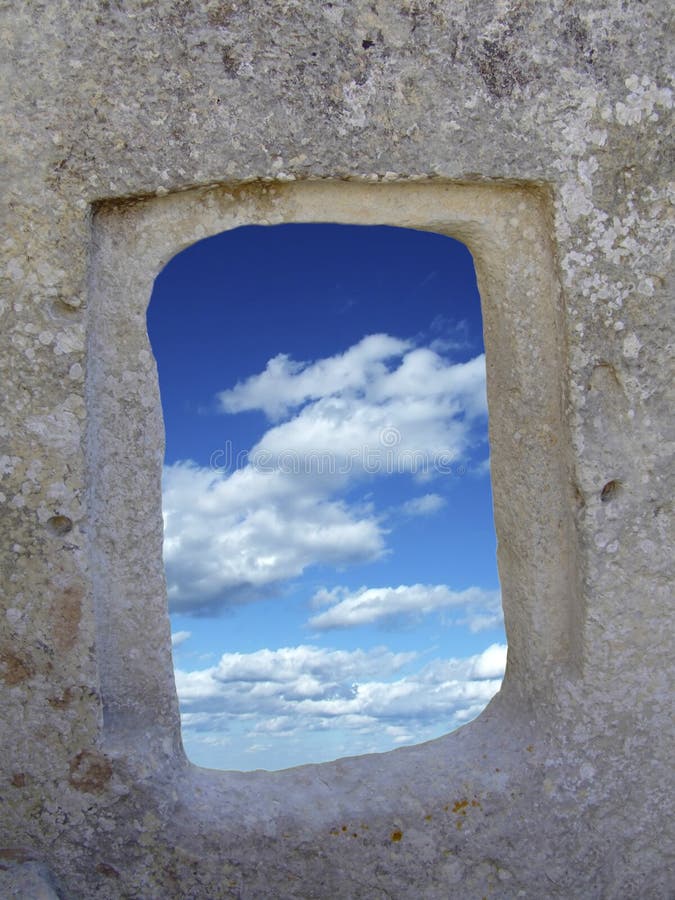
(449, 335)
(367, 606)
(426, 505)
(179, 637)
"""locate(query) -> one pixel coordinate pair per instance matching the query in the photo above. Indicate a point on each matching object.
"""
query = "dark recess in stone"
(59, 525)
(610, 490)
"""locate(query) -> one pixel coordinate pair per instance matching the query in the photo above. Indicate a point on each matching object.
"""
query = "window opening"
(329, 544)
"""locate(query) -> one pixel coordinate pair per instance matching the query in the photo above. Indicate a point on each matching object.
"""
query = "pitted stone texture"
(564, 787)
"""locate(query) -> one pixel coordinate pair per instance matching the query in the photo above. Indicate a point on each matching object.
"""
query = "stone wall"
(539, 134)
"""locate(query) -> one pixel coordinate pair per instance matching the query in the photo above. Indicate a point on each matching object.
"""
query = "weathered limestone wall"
(546, 125)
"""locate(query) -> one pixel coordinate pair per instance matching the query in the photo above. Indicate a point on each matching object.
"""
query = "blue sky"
(329, 543)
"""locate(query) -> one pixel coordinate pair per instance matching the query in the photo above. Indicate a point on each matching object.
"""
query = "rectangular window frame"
(507, 229)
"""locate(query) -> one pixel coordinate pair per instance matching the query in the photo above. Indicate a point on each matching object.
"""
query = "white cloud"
(381, 407)
(179, 637)
(370, 605)
(421, 417)
(491, 663)
(425, 505)
(482, 621)
(286, 384)
(231, 539)
(300, 672)
(371, 695)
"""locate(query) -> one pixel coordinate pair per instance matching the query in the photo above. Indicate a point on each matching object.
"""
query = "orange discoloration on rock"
(67, 613)
(63, 701)
(90, 772)
(109, 871)
(14, 669)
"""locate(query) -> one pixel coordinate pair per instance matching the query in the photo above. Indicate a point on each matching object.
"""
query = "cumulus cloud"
(366, 606)
(491, 663)
(290, 674)
(286, 384)
(304, 689)
(384, 406)
(231, 539)
(419, 417)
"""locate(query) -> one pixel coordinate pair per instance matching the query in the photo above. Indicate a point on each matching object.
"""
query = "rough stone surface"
(548, 123)
(26, 881)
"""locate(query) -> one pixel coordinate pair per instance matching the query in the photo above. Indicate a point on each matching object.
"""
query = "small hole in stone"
(610, 490)
(59, 525)
(66, 306)
(367, 44)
